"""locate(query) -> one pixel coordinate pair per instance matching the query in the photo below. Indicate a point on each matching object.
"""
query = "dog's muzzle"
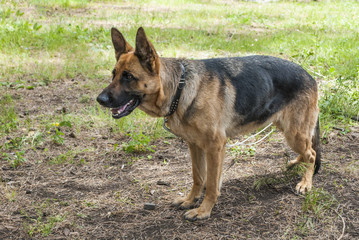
(120, 107)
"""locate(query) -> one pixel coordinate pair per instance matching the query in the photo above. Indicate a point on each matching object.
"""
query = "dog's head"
(135, 79)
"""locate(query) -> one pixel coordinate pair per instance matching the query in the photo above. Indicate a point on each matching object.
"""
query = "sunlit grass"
(41, 45)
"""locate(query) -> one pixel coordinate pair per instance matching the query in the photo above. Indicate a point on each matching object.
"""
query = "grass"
(8, 116)
(41, 224)
(40, 49)
(316, 207)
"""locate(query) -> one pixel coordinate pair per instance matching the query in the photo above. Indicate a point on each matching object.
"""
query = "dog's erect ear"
(146, 52)
(119, 43)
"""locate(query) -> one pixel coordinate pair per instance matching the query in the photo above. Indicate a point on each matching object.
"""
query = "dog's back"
(263, 84)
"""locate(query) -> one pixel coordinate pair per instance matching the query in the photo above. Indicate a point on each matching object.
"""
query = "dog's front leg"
(214, 158)
(199, 178)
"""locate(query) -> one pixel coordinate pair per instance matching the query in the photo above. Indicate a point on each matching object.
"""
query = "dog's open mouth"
(126, 109)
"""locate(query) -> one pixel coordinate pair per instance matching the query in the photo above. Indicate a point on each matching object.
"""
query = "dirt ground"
(100, 193)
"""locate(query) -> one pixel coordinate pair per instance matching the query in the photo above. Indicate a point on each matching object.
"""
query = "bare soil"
(100, 193)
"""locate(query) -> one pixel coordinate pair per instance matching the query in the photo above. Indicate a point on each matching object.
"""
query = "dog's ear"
(146, 52)
(119, 43)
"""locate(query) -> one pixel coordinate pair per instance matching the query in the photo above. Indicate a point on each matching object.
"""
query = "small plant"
(306, 225)
(57, 135)
(71, 156)
(81, 215)
(62, 158)
(8, 117)
(139, 143)
(44, 226)
(316, 205)
(15, 159)
(318, 202)
(243, 150)
(37, 26)
(68, 157)
(115, 147)
(15, 143)
(36, 139)
(89, 204)
(123, 200)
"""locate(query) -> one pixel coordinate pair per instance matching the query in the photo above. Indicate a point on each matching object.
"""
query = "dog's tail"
(316, 147)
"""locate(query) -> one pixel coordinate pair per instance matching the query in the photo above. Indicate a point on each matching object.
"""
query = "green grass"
(320, 36)
(61, 3)
(317, 206)
(8, 116)
(43, 226)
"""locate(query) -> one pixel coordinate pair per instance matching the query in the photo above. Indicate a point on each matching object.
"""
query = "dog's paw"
(186, 205)
(182, 203)
(178, 201)
(196, 214)
(303, 187)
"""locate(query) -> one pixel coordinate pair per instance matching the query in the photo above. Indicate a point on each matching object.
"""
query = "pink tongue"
(120, 109)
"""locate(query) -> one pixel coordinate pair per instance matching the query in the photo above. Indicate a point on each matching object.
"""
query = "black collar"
(177, 96)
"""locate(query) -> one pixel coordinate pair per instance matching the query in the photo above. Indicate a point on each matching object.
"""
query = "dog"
(205, 102)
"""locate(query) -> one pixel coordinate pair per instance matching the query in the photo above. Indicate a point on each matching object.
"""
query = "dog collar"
(177, 96)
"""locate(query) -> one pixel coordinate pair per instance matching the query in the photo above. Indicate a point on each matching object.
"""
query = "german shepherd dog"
(207, 101)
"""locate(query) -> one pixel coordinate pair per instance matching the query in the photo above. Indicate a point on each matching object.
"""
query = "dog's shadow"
(258, 191)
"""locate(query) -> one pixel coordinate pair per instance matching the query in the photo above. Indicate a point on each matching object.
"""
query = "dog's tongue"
(121, 109)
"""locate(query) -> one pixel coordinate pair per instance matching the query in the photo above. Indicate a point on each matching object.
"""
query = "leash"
(245, 140)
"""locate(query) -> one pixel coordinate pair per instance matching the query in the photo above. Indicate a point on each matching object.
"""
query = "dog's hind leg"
(302, 144)
(298, 123)
(199, 178)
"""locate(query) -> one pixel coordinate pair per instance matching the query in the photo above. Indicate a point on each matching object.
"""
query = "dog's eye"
(126, 76)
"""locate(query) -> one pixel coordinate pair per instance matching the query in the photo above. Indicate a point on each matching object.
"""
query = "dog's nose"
(103, 99)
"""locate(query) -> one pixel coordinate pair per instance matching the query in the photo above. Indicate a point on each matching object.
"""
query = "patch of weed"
(305, 225)
(57, 137)
(123, 200)
(71, 156)
(139, 143)
(8, 116)
(44, 226)
(14, 143)
(318, 202)
(316, 207)
(55, 132)
(36, 138)
(243, 150)
(15, 159)
(340, 100)
(61, 3)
